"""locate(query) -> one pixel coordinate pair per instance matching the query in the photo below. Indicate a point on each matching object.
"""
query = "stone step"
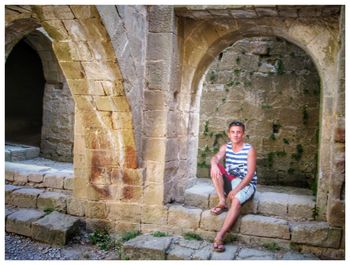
(54, 228)
(38, 176)
(286, 202)
(17, 152)
(24, 197)
(147, 246)
(255, 229)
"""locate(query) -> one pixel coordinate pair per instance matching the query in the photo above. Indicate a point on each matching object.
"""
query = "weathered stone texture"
(52, 200)
(20, 222)
(25, 198)
(184, 217)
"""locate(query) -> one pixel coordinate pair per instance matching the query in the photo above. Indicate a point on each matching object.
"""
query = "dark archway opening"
(24, 90)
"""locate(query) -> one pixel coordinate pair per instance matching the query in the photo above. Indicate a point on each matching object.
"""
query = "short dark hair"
(237, 123)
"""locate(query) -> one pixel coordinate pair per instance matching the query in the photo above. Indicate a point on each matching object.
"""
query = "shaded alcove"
(24, 90)
(274, 88)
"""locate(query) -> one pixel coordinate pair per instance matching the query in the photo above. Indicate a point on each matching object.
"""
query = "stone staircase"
(37, 193)
(282, 216)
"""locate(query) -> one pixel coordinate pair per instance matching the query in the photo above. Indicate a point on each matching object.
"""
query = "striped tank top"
(236, 164)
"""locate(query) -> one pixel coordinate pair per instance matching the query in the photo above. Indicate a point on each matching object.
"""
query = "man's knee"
(236, 203)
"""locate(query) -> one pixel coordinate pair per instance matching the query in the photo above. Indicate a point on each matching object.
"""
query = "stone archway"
(203, 40)
(104, 143)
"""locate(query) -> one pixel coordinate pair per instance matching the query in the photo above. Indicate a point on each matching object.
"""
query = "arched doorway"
(24, 89)
(274, 88)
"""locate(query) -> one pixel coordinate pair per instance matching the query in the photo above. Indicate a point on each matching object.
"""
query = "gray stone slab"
(204, 253)
(273, 203)
(20, 221)
(52, 200)
(55, 179)
(8, 191)
(147, 247)
(299, 256)
(301, 206)
(255, 254)
(177, 252)
(184, 217)
(55, 228)
(228, 254)
(8, 211)
(25, 198)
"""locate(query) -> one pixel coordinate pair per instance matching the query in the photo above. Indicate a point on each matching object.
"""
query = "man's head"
(236, 123)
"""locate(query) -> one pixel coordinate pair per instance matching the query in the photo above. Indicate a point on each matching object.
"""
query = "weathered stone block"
(154, 215)
(273, 203)
(68, 183)
(161, 19)
(316, 234)
(147, 247)
(155, 100)
(155, 123)
(264, 226)
(55, 228)
(8, 193)
(124, 212)
(84, 11)
(198, 195)
(177, 252)
(52, 200)
(154, 149)
(228, 254)
(300, 206)
(212, 222)
(25, 198)
(72, 70)
(254, 254)
(95, 209)
(75, 206)
(184, 217)
(54, 179)
(20, 222)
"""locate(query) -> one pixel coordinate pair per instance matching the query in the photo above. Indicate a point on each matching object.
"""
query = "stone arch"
(104, 143)
(204, 40)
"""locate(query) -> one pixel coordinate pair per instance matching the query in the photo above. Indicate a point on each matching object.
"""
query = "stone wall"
(274, 88)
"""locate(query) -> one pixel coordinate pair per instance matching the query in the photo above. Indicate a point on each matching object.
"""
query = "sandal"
(218, 209)
(218, 245)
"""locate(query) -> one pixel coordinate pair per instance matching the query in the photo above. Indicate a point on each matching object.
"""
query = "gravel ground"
(79, 248)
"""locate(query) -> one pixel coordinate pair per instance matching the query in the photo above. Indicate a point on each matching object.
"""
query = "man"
(237, 180)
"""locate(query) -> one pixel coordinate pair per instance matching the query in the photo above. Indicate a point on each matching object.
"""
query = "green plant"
(273, 246)
(279, 67)
(192, 236)
(295, 246)
(213, 76)
(314, 187)
(48, 210)
(238, 60)
(130, 235)
(272, 137)
(206, 128)
(315, 212)
(299, 152)
(285, 141)
(159, 234)
(270, 157)
(281, 154)
(237, 72)
(102, 239)
(266, 106)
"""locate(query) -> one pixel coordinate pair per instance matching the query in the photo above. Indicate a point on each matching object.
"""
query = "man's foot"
(218, 209)
(218, 245)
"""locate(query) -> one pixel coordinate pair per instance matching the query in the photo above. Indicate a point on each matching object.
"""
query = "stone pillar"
(336, 195)
(157, 156)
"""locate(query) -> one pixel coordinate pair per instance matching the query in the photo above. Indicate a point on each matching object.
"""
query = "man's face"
(235, 133)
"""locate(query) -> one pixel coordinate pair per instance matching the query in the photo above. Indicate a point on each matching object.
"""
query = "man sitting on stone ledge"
(237, 180)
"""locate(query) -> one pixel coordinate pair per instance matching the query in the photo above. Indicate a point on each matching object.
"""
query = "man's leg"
(230, 218)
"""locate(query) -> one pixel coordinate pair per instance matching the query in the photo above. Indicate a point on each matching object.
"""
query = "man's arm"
(214, 170)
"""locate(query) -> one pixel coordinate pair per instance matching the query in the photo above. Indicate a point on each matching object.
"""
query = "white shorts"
(245, 194)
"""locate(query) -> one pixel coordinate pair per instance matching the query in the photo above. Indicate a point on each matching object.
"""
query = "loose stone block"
(52, 200)
(264, 226)
(55, 228)
(25, 198)
(20, 222)
(184, 217)
(147, 247)
(316, 234)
